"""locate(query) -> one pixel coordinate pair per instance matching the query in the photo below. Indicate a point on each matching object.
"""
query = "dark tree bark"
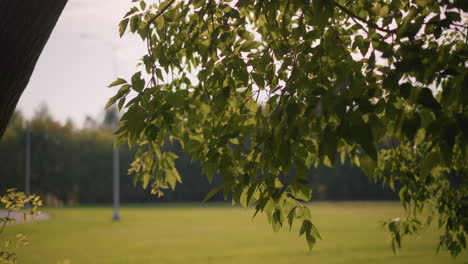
(25, 27)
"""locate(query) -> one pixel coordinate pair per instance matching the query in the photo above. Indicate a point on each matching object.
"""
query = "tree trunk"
(25, 27)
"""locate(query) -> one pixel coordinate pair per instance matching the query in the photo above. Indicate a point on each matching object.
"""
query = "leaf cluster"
(14, 201)
(284, 85)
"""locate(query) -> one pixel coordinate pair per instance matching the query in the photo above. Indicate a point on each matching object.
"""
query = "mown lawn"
(217, 233)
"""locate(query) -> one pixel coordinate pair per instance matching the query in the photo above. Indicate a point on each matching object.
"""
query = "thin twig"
(159, 13)
(369, 23)
(4, 223)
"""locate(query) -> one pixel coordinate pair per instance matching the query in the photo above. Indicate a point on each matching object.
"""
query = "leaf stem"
(4, 223)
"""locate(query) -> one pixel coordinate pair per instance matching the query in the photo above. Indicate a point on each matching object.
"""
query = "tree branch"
(160, 12)
(369, 23)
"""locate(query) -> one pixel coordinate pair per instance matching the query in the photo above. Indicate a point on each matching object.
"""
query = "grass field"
(216, 233)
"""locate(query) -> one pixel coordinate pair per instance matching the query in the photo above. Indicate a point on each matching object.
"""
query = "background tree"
(284, 85)
(25, 29)
(74, 166)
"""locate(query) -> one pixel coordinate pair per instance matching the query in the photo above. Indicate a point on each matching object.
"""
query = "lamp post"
(116, 180)
(27, 168)
(115, 151)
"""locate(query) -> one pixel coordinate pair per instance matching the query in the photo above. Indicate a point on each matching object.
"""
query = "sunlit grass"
(217, 233)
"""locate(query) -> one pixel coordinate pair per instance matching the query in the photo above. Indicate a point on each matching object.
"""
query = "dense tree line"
(76, 165)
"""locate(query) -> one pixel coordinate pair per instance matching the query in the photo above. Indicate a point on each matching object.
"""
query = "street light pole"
(116, 185)
(27, 169)
(115, 151)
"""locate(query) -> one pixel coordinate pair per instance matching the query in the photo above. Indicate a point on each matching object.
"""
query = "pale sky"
(77, 63)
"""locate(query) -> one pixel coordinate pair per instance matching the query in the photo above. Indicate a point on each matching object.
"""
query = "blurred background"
(72, 165)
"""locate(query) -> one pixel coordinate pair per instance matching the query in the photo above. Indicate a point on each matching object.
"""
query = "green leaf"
(245, 34)
(368, 166)
(123, 91)
(291, 216)
(213, 191)
(146, 178)
(159, 74)
(258, 78)
(172, 177)
(306, 227)
(243, 199)
(119, 81)
(123, 26)
(411, 126)
(293, 110)
(301, 191)
(362, 134)
(310, 240)
(383, 11)
(175, 99)
(142, 5)
(249, 45)
(430, 162)
(328, 146)
(134, 120)
(427, 99)
(252, 192)
(121, 103)
(209, 170)
(132, 11)
(137, 82)
(277, 222)
(159, 22)
(111, 102)
(134, 23)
